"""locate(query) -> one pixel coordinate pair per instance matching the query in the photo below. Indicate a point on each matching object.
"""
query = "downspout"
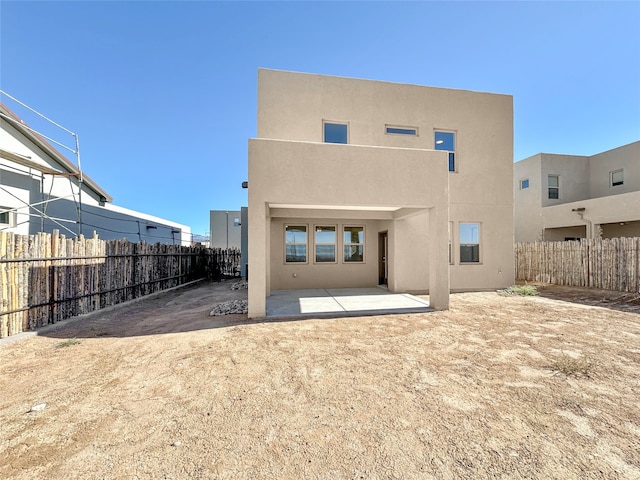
(589, 223)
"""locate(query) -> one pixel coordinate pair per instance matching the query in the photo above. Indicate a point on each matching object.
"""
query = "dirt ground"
(160, 390)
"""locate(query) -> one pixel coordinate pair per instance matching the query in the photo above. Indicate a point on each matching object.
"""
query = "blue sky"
(163, 94)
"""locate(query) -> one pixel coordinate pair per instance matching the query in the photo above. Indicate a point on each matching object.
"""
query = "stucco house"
(567, 197)
(42, 190)
(358, 183)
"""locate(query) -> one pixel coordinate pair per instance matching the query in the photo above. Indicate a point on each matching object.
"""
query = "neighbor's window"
(616, 178)
(5, 216)
(335, 132)
(447, 141)
(354, 244)
(236, 222)
(325, 241)
(554, 187)
(391, 130)
(295, 238)
(469, 243)
(524, 184)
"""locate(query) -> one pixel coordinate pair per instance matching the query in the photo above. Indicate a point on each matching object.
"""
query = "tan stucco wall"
(289, 165)
(584, 183)
(334, 176)
(626, 158)
(323, 275)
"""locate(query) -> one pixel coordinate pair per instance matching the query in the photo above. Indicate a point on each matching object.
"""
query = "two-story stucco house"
(566, 197)
(358, 183)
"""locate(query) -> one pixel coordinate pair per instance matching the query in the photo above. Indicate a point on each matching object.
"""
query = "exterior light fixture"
(245, 184)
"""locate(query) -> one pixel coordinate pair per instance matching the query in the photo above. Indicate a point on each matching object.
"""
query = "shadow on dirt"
(621, 301)
(182, 310)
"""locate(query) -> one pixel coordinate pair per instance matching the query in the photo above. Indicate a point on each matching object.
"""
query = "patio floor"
(342, 302)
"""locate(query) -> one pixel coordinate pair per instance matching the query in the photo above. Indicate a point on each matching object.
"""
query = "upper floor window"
(447, 141)
(391, 130)
(616, 178)
(295, 239)
(236, 222)
(335, 132)
(553, 182)
(524, 184)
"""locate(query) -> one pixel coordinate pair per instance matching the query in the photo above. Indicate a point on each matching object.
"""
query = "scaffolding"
(39, 209)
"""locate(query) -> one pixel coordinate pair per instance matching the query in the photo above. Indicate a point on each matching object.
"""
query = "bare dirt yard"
(497, 387)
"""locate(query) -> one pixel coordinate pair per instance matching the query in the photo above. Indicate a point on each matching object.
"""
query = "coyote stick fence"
(609, 263)
(46, 278)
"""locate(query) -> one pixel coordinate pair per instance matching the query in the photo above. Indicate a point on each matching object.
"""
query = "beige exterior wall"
(584, 184)
(393, 183)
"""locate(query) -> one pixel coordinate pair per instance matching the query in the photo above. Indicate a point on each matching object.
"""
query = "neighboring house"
(358, 183)
(228, 229)
(41, 190)
(566, 197)
(225, 228)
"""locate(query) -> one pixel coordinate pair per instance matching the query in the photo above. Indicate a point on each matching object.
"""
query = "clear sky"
(163, 94)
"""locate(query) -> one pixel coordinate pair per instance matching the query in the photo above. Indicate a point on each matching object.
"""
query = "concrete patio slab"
(341, 302)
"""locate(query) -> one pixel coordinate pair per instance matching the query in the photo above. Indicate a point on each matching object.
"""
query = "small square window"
(295, 239)
(524, 184)
(353, 244)
(553, 182)
(447, 141)
(236, 222)
(616, 178)
(335, 132)
(6, 216)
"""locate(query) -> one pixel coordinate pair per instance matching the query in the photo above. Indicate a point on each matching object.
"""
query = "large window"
(447, 141)
(554, 186)
(325, 242)
(616, 178)
(469, 243)
(335, 132)
(354, 244)
(295, 238)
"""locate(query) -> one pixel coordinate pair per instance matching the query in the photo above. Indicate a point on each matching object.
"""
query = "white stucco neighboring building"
(566, 197)
(358, 183)
(41, 190)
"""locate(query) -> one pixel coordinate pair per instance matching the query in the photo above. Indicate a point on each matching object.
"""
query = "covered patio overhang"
(401, 191)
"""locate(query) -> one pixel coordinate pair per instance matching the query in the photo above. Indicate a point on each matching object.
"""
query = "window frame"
(10, 216)
(335, 122)
(557, 187)
(350, 244)
(306, 243)
(407, 129)
(478, 243)
(453, 157)
(522, 184)
(611, 181)
(316, 243)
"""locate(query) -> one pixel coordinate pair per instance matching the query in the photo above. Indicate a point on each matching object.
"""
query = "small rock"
(37, 408)
(176, 444)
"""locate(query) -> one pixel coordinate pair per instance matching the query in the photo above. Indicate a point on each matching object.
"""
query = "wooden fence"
(611, 264)
(46, 278)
